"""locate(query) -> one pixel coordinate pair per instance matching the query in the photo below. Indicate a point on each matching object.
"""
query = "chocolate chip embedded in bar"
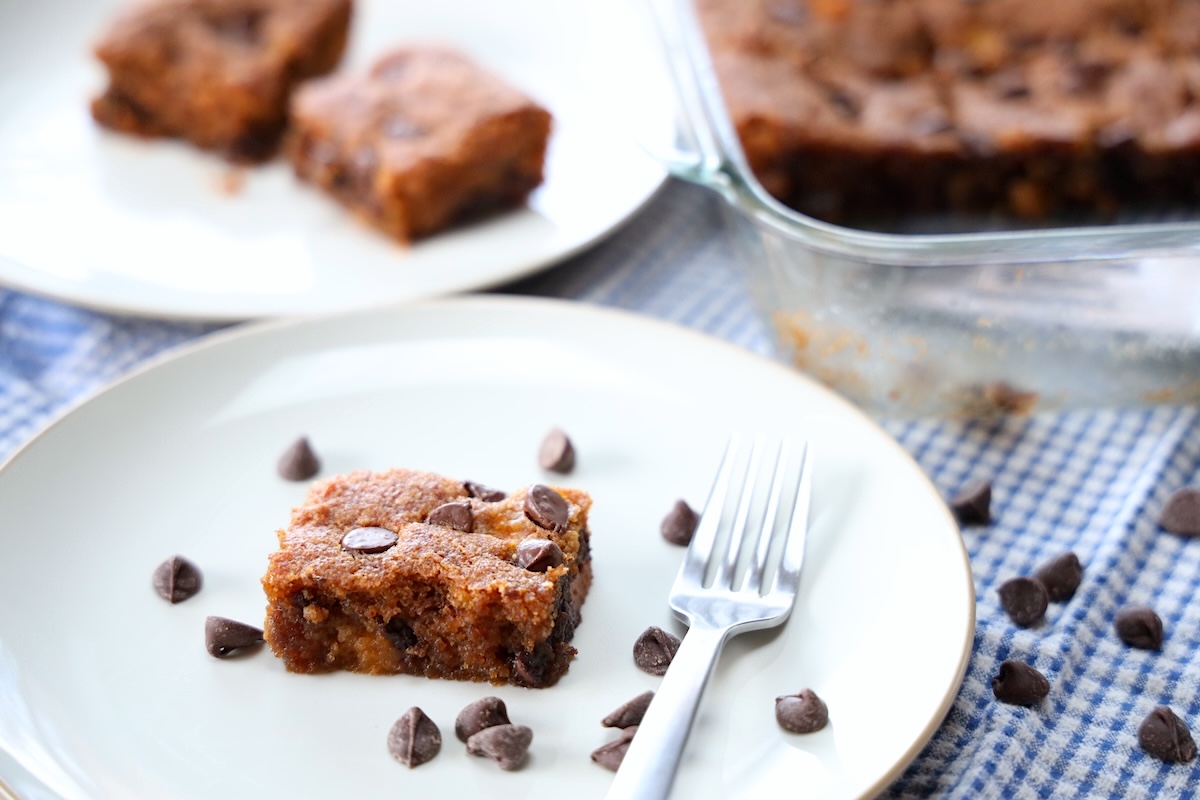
(177, 579)
(629, 713)
(414, 738)
(1019, 684)
(611, 755)
(456, 515)
(1165, 736)
(484, 713)
(972, 505)
(538, 555)
(1024, 600)
(369, 540)
(654, 650)
(484, 493)
(507, 745)
(1061, 576)
(224, 636)
(1181, 512)
(1140, 627)
(679, 525)
(298, 462)
(546, 508)
(556, 453)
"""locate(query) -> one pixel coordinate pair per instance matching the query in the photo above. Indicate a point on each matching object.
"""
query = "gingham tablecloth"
(1092, 482)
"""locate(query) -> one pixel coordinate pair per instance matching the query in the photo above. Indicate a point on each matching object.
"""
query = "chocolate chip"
(177, 579)
(556, 454)
(457, 515)
(1024, 600)
(532, 667)
(414, 738)
(507, 745)
(1165, 736)
(1019, 684)
(612, 754)
(629, 713)
(547, 508)
(1061, 576)
(484, 493)
(654, 650)
(1181, 513)
(298, 462)
(484, 713)
(1139, 626)
(538, 555)
(223, 636)
(679, 525)
(369, 540)
(972, 505)
(802, 712)
(399, 633)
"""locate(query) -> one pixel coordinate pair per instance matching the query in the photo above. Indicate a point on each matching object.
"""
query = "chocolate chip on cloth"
(547, 508)
(485, 713)
(223, 636)
(654, 650)
(557, 454)
(1165, 736)
(1140, 627)
(298, 462)
(1061, 576)
(679, 525)
(1019, 684)
(507, 745)
(802, 712)
(1024, 600)
(538, 555)
(369, 540)
(457, 515)
(1181, 513)
(611, 755)
(484, 493)
(177, 579)
(629, 713)
(414, 738)
(972, 505)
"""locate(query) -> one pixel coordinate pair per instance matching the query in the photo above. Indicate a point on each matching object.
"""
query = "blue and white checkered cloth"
(1091, 482)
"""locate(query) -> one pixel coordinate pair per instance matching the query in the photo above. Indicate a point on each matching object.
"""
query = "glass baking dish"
(947, 324)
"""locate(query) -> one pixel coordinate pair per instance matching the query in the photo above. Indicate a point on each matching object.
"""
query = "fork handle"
(649, 766)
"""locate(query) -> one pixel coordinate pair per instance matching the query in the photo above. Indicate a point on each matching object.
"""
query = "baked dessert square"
(401, 571)
(218, 73)
(425, 140)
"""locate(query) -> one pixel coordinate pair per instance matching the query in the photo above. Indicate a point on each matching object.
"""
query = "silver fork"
(727, 606)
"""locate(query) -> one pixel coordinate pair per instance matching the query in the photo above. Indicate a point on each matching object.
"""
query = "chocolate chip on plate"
(507, 745)
(414, 738)
(1061, 576)
(679, 525)
(483, 713)
(224, 636)
(802, 712)
(538, 555)
(1019, 684)
(1140, 627)
(629, 713)
(298, 462)
(369, 540)
(654, 650)
(611, 755)
(1181, 513)
(484, 493)
(547, 508)
(177, 579)
(457, 515)
(972, 505)
(1165, 736)
(1024, 600)
(556, 453)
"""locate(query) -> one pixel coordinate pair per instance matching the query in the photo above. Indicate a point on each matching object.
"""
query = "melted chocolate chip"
(223, 636)
(507, 745)
(679, 525)
(485, 713)
(611, 755)
(532, 667)
(538, 555)
(484, 493)
(802, 712)
(547, 508)
(369, 540)
(1019, 684)
(414, 738)
(298, 462)
(1181, 512)
(629, 713)
(654, 650)
(457, 515)
(1024, 600)
(556, 453)
(1166, 737)
(177, 579)
(1140, 627)
(1061, 576)
(972, 505)
(399, 633)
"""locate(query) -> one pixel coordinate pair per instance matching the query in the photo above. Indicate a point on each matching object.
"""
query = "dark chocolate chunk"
(484, 713)
(538, 555)
(1019, 684)
(1139, 626)
(298, 462)
(547, 508)
(1165, 736)
(369, 540)
(1024, 600)
(654, 650)
(629, 713)
(1061, 576)
(177, 579)
(1181, 513)
(507, 745)
(802, 712)
(484, 493)
(612, 754)
(414, 738)
(532, 667)
(679, 525)
(457, 515)
(557, 454)
(399, 633)
(972, 505)
(223, 636)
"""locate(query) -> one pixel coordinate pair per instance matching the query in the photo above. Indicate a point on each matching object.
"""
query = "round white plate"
(151, 227)
(106, 691)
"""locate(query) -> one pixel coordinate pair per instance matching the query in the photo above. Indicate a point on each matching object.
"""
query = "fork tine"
(695, 563)
(787, 577)
(723, 578)
(767, 532)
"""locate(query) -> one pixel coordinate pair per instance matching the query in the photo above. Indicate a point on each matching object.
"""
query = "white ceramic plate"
(106, 691)
(121, 224)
